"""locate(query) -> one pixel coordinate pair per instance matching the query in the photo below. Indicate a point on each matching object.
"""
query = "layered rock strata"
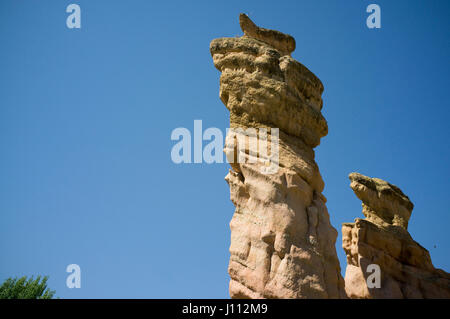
(382, 239)
(282, 242)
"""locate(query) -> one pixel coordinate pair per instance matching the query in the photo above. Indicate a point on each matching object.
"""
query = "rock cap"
(383, 202)
(280, 41)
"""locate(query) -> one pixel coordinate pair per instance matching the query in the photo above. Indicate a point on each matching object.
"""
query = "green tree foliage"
(26, 289)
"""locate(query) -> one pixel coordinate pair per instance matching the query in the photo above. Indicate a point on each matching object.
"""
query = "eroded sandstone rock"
(383, 239)
(282, 242)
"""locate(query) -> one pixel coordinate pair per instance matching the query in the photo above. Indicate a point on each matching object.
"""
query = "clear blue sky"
(86, 117)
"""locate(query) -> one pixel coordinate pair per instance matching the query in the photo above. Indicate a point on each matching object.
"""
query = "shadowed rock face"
(383, 239)
(282, 242)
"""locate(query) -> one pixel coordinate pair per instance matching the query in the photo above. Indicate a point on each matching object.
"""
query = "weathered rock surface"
(383, 239)
(282, 242)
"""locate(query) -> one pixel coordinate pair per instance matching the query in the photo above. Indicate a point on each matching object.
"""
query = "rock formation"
(383, 239)
(282, 242)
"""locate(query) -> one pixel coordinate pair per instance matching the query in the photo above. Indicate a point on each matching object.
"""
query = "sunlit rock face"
(282, 242)
(383, 239)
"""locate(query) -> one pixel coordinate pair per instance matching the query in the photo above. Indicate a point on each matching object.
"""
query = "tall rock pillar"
(282, 242)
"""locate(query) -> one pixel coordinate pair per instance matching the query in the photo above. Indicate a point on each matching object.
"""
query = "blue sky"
(86, 117)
